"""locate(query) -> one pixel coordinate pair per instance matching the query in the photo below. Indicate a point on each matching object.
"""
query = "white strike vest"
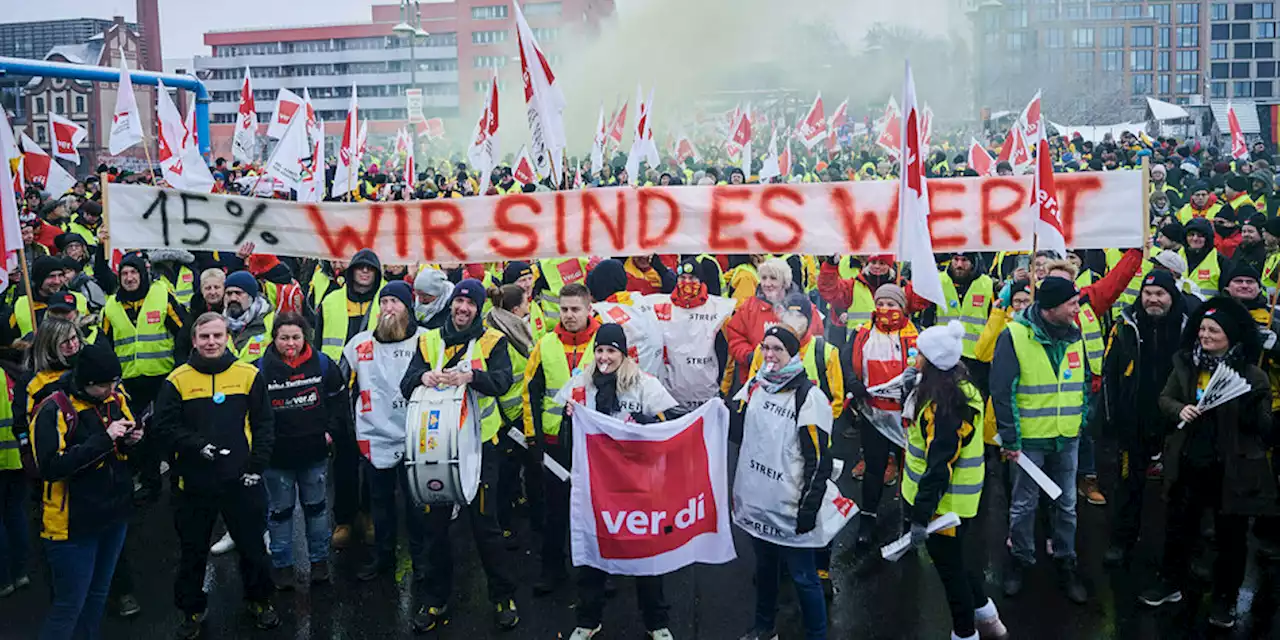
(380, 409)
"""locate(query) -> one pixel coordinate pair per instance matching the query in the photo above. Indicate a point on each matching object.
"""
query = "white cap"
(942, 345)
(1173, 262)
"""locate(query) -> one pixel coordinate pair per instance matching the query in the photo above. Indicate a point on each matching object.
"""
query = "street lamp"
(410, 27)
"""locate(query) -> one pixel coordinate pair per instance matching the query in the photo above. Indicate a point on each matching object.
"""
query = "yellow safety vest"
(556, 374)
(318, 285)
(510, 401)
(1132, 288)
(847, 268)
(145, 348)
(860, 308)
(431, 345)
(559, 272)
(9, 455)
(1240, 201)
(22, 312)
(1271, 272)
(186, 287)
(1187, 212)
(1207, 275)
(90, 238)
(333, 312)
(965, 490)
(1091, 330)
(972, 312)
(1050, 404)
(257, 345)
(538, 324)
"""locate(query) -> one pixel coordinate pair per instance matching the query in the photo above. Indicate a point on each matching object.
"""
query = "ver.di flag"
(1239, 150)
(126, 124)
(914, 244)
(243, 141)
(287, 104)
(67, 137)
(1048, 220)
(545, 103)
(39, 167)
(10, 232)
(649, 499)
(813, 128)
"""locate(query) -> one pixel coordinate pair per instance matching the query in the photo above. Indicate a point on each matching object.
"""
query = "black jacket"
(308, 401)
(220, 402)
(1137, 364)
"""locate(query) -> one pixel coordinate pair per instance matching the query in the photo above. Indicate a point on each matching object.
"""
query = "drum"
(442, 446)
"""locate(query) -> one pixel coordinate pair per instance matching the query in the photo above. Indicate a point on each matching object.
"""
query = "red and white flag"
(598, 143)
(10, 230)
(980, 160)
(1031, 123)
(732, 148)
(348, 152)
(642, 145)
(784, 159)
(1021, 150)
(244, 144)
(684, 149)
(287, 104)
(1006, 149)
(524, 171)
(770, 168)
(545, 102)
(485, 144)
(181, 164)
(1048, 222)
(1239, 150)
(402, 141)
(410, 175)
(838, 119)
(813, 128)
(617, 126)
(290, 161)
(914, 244)
(646, 501)
(891, 129)
(927, 138)
(126, 124)
(37, 166)
(432, 128)
(198, 176)
(363, 142)
(67, 137)
(313, 181)
(742, 138)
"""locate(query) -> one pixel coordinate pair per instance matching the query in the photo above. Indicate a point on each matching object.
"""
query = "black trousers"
(591, 598)
(510, 465)
(875, 452)
(383, 485)
(436, 583)
(1194, 491)
(961, 577)
(1126, 510)
(244, 511)
(350, 490)
(145, 456)
(555, 528)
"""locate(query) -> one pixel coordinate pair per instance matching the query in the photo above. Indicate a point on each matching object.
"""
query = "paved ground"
(874, 600)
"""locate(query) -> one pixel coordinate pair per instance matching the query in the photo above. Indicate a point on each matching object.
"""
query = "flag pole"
(1146, 209)
(26, 283)
(106, 218)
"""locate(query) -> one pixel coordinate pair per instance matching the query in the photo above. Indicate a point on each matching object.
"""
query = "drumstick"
(550, 463)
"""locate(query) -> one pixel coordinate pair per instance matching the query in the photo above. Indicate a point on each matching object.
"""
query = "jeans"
(243, 510)
(14, 537)
(591, 597)
(80, 570)
(284, 488)
(1060, 466)
(800, 565)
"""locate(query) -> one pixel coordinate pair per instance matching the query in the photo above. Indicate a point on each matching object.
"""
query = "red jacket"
(746, 330)
(1227, 246)
(1102, 295)
(838, 292)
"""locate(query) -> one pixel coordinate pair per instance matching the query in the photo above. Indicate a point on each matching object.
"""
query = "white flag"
(343, 177)
(287, 104)
(597, 144)
(244, 146)
(126, 124)
(770, 167)
(195, 168)
(67, 137)
(742, 137)
(545, 103)
(10, 231)
(290, 160)
(170, 141)
(485, 145)
(914, 244)
(38, 166)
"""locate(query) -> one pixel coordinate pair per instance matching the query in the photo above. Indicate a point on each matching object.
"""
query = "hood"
(367, 258)
(606, 279)
(1205, 228)
(171, 255)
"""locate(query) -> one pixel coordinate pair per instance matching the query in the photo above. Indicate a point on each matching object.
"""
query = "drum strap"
(457, 356)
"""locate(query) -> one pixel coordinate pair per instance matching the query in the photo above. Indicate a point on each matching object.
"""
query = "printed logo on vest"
(364, 351)
(477, 364)
(1073, 360)
(1088, 314)
(153, 317)
(1203, 274)
(619, 315)
(188, 277)
(663, 311)
(570, 271)
(366, 401)
(255, 348)
(979, 300)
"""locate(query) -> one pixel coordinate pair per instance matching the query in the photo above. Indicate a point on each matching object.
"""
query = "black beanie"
(606, 279)
(689, 267)
(400, 290)
(1234, 319)
(516, 270)
(1238, 183)
(65, 240)
(1240, 269)
(1162, 279)
(96, 364)
(786, 336)
(1174, 232)
(612, 335)
(42, 268)
(1257, 221)
(62, 301)
(1273, 227)
(1054, 291)
(471, 289)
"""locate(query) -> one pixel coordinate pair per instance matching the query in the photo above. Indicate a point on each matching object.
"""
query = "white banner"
(1098, 210)
(649, 499)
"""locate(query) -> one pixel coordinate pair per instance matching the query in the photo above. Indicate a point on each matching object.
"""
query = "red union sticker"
(1203, 274)
(1073, 360)
(979, 300)
(618, 314)
(255, 348)
(187, 277)
(477, 364)
(153, 317)
(650, 497)
(366, 401)
(1088, 313)
(663, 311)
(364, 351)
(570, 271)
(843, 505)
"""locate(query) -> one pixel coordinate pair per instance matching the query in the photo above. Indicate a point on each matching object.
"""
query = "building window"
(1244, 50)
(488, 37)
(1162, 61)
(39, 110)
(1160, 12)
(1162, 37)
(1262, 89)
(1082, 38)
(1016, 19)
(1054, 39)
(60, 106)
(546, 34)
(1163, 87)
(490, 62)
(1188, 13)
(1219, 70)
(1266, 69)
(80, 104)
(1188, 83)
(1140, 60)
(1217, 90)
(1188, 60)
(1113, 37)
(1016, 41)
(1242, 89)
(1264, 50)
(1141, 37)
(1265, 30)
(1240, 70)
(1244, 11)
(1101, 11)
(1142, 84)
(1264, 10)
(1083, 60)
(491, 12)
(1218, 51)
(1113, 61)
(442, 40)
(1218, 11)
(1188, 36)
(1240, 31)
(542, 9)
(1220, 32)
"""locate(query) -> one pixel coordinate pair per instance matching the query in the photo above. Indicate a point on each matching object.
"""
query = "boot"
(319, 572)
(1088, 489)
(341, 537)
(1069, 579)
(191, 627)
(866, 533)
(430, 618)
(283, 578)
(506, 615)
(1013, 571)
(264, 615)
(1116, 556)
(987, 621)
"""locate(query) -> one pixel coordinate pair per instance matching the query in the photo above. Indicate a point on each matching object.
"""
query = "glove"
(1268, 339)
(858, 389)
(909, 377)
(806, 523)
(208, 452)
(919, 534)
(250, 479)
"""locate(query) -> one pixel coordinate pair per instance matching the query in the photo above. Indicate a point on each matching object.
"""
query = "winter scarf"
(606, 385)
(690, 295)
(257, 309)
(514, 328)
(773, 381)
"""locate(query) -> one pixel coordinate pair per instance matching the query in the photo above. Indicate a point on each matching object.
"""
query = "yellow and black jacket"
(87, 485)
(220, 402)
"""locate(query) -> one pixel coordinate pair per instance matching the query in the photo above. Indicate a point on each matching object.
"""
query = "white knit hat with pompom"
(942, 345)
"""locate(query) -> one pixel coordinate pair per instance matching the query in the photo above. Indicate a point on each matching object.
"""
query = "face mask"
(888, 320)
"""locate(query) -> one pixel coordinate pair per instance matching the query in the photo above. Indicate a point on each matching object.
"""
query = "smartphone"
(1023, 262)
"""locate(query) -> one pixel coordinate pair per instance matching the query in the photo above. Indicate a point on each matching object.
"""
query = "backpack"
(30, 465)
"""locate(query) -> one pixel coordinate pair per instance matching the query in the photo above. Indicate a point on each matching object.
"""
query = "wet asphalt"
(874, 599)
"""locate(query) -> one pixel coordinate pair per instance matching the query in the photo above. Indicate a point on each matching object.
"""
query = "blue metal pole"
(23, 67)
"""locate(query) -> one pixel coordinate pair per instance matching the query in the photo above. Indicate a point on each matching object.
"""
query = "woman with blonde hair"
(745, 331)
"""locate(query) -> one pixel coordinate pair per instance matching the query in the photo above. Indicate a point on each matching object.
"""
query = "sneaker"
(506, 616)
(1013, 577)
(1159, 594)
(7, 590)
(224, 545)
(264, 615)
(547, 584)
(1088, 489)
(661, 634)
(319, 572)
(828, 589)
(373, 569)
(859, 470)
(127, 606)
(1069, 580)
(759, 634)
(430, 618)
(22, 581)
(1116, 556)
(891, 473)
(1223, 614)
(583, 633)
(341, 536)
(191, 627)
(283, 578)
